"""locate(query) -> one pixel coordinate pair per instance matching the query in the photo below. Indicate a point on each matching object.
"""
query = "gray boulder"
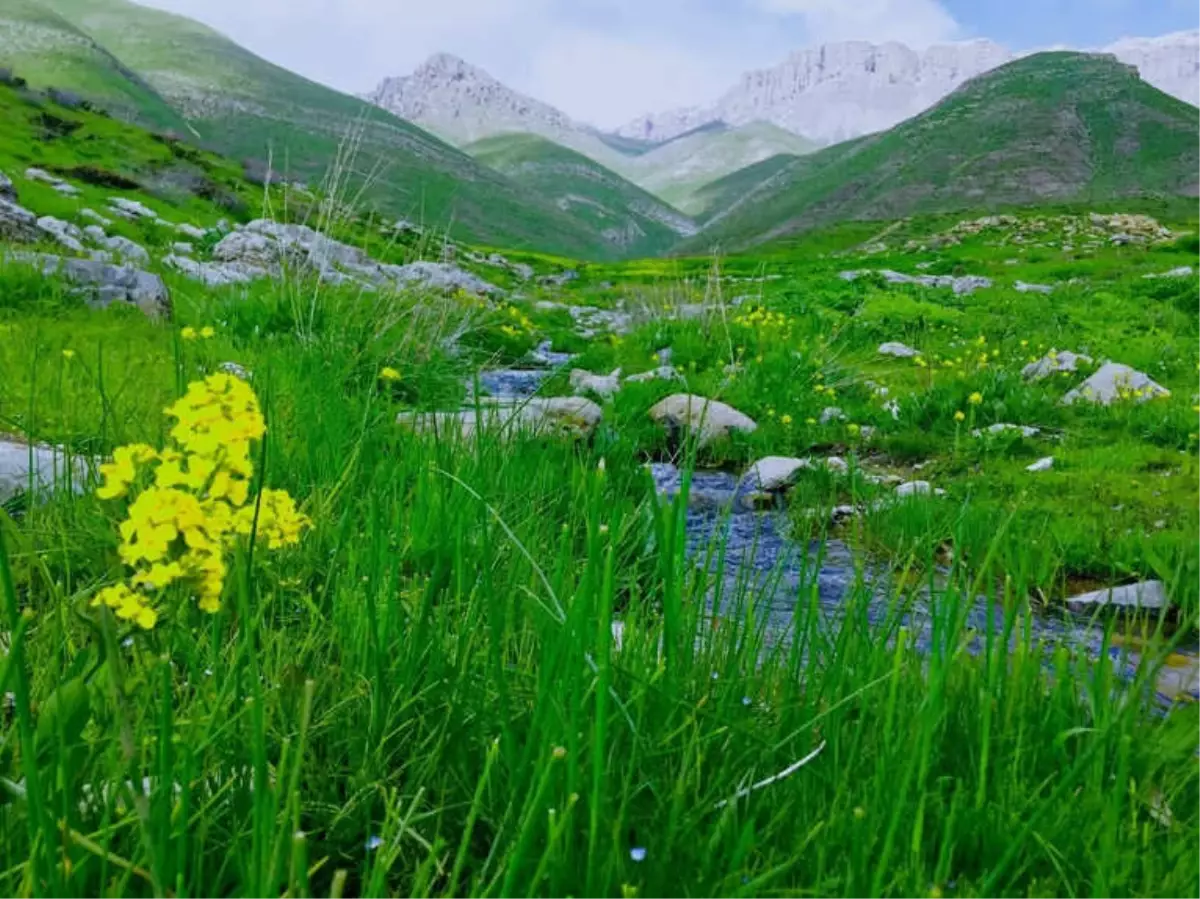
(93, 216)
(101, 283)
(1149, 595)
(131, 209)
(183, 248)
(6, 187)
(1114, 381)
(95, 232)
(214, 274)
(708, 420)
(190, 231)
(774, 473)
(1183, 271)
(1053, 362)
(17, 224)
(604, 386)
(42, 467)
(126, 249)
(1024, 287)
(897, 349)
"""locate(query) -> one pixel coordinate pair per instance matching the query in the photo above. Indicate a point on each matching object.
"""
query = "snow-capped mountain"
(838, 91)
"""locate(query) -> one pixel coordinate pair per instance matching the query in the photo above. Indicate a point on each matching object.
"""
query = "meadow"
(414, 685)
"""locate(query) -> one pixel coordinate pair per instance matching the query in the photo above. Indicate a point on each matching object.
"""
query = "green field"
(506, 664)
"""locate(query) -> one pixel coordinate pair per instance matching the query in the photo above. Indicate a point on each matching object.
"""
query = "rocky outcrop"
(684, 414)
(1114, 381)
(966, 284)
(100, 283)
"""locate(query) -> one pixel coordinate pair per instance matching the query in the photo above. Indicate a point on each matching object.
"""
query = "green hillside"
(48, 51)
(633, 221)
(679, 168)
(246, 108)
(1053, 127)
(719, 195)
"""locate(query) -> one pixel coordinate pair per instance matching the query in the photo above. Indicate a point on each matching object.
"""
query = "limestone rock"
(45, 467)
(1024, 287)
(1005, 428)
(775, 472)
(101, 283)
(1043, 464)
(1149, 595)
(191, 231)
(65, 233)
(214, 274)
(17, 223)
(126, 249)
(917, 488)
(603, 386)
(708, 420)
(895, 348)
(128, 208)
(1054, 361)
(182, 248)
(1114, 381)
(93, 216)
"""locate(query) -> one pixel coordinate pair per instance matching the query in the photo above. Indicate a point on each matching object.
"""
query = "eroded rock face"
(707, 420)
(1114, 381)
(101, 283)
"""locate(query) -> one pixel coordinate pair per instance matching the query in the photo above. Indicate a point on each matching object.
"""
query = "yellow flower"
(785, 419)
(853, 429)
(68, 354)
(188, 333)
(1024, 343)
(921, 362)
(128, 605)
(123, 469)
(207, 332)
(959, 415)
(975, 398)
(387, 373)
(810, 421)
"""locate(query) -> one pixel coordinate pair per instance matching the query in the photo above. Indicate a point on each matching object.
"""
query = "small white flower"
(638, 853)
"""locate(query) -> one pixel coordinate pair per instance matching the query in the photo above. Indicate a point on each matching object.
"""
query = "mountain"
(44, 48)
(837, 91)
(245, 107)
(632, 220)
(1052, 127)
(462, 103)
(676, 170)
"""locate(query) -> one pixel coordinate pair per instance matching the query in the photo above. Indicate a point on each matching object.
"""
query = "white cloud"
(600, 61)
(914, 22)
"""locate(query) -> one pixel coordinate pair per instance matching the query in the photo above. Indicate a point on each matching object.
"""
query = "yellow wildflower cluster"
(205, 333)
(196, 500)
(764, 322)
(519, 324)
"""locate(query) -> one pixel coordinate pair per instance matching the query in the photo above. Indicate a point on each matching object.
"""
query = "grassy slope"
(1049, 127)
(716, 196)
(600, 198)
(246, 108)
(48, 51)
(412, 687)
(678, 169)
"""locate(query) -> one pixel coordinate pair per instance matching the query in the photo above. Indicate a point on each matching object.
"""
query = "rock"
(33, 173)
(1043, 464)
(6, 187)
(182, 248)
(662, 373)
(558, 280)
(232, 368)
(1113, 381)
(214, 274)
(1143, 595)
(68, 190)
(17, 223)
(93, 216)
(965, 285)
(124, 248)
(1184, 271)
(1004, 428)
(553, 416)
(831, 414)
(65, 233)
(837, 465)
(45, 467)
(917, 488)
(191, 231)
(132, 208)
(774, 473)
(103, 284)
(1023, 287)
(1119, 240)
(707, 419)
(604, 386)
(894, 348)
(1054, 361)
(438, 276)
(544, 355)
(96, 233)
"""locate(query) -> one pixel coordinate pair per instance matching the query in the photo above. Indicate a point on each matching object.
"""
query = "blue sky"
(606, 61)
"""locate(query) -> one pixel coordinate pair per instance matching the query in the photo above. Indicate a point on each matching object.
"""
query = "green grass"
(1052, 127)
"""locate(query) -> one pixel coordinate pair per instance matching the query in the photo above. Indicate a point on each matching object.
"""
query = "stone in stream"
(604, 386)
(775, 472)
(1054, 361)
(102, 284)
(46, 467)
(708, 420)
(1144, 595)
(565, 416)
(895, 348)
(1114, 381)
(1043, 464)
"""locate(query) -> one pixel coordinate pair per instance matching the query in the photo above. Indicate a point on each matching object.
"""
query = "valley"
(424, 493)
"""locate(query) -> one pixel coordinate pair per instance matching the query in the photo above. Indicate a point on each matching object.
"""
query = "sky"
(607, 61)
